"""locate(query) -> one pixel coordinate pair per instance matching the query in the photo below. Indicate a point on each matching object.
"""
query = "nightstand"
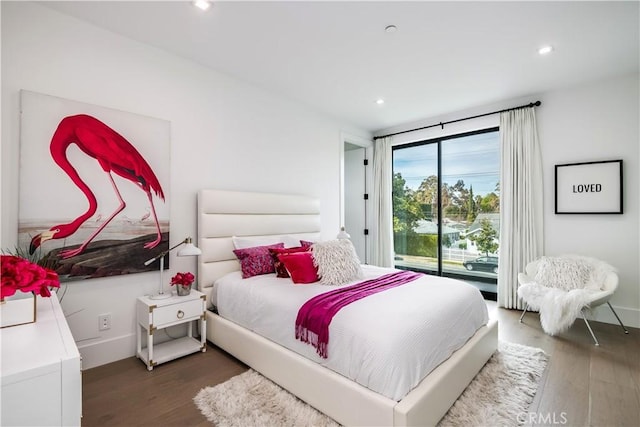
(154, 315)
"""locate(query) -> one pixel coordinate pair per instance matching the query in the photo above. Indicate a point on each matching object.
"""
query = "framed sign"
(589, 188)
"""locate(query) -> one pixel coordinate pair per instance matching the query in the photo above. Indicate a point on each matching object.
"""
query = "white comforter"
(387, 342)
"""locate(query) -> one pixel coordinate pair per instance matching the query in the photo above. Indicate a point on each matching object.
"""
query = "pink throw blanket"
(314, 317)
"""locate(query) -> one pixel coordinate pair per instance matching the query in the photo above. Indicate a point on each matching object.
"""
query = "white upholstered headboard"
(223, 214)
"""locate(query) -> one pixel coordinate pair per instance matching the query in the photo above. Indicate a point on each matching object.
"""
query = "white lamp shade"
(343, 234)
(189, 249)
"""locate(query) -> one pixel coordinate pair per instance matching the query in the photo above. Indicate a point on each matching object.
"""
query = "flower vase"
(18, 309)
(183, 290)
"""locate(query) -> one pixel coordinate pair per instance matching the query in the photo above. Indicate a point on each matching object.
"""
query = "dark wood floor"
(583, 385)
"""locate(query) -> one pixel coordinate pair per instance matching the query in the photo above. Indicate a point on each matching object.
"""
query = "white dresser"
(41, 371)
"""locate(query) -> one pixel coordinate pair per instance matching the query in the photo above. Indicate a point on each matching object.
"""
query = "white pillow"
(337, 262)
(564, 273)
(253, 241)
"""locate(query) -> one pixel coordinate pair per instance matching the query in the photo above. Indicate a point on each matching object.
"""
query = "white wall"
(592, 122)
(589, 123)
(225, 134)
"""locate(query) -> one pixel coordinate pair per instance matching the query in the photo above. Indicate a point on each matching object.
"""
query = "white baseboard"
(629, 316)
(107, 351)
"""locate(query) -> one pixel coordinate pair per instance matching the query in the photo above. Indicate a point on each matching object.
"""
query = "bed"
(223, 214)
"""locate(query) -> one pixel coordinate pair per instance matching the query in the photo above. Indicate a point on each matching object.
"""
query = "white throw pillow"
(564, 273)
(337, 262)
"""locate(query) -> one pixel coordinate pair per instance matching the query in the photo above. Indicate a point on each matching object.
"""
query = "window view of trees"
(469, 203)
(459, 203)
(486, 239)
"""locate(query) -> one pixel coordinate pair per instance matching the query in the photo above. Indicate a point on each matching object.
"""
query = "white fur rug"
(503, 389)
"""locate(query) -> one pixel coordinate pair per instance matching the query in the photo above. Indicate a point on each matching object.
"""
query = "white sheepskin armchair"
(561, 288)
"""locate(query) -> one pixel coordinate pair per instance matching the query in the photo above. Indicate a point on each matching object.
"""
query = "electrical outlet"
(104, 322)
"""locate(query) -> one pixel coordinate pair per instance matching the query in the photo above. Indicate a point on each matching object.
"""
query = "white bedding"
(438, 315)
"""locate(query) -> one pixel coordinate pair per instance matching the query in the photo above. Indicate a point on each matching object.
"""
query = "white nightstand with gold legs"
(153, 315)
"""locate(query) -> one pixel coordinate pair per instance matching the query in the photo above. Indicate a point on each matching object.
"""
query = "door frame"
(367, 144)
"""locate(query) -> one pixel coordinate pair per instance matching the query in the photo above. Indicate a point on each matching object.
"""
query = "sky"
(475, 159)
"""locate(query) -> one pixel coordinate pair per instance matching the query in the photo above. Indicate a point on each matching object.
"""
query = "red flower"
(19, 274)
(184, 279)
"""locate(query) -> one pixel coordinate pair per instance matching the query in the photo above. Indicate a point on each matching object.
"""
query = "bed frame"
(223, 214)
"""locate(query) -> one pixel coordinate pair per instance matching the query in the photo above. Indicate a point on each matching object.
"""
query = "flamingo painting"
(115, 155)
(145, 216)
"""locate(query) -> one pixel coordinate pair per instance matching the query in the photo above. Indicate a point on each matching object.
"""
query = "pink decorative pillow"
(300, 267)
(305, 243)
(281, 270)
(256, 260)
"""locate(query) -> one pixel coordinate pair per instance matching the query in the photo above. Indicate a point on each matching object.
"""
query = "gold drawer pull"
(180, 314)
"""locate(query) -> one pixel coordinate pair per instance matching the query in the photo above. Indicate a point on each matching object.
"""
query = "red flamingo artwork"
(145, 216)
(114, 154)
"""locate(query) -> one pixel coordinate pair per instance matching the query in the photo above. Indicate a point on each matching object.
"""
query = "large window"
(446, 201)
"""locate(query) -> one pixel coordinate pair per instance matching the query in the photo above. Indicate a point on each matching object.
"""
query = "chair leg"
(584, 317)
(526, 305)
(619, 321)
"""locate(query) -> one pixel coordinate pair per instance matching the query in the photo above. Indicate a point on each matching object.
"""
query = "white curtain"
(521, 213)
(382, 250)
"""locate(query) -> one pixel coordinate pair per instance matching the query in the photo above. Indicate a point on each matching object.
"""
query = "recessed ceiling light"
(544, 50)
(390, 29)
(379, 101)
(202, 4)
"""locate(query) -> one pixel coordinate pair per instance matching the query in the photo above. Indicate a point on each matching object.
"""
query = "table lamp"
(343, 234)
(189, 250)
